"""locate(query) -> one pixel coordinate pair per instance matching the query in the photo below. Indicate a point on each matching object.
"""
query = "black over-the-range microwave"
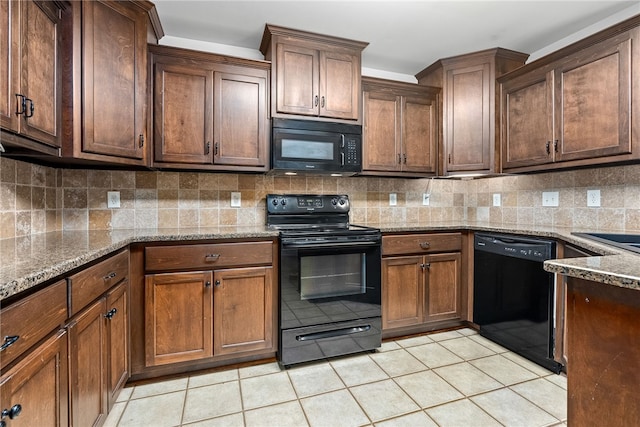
(305, 146)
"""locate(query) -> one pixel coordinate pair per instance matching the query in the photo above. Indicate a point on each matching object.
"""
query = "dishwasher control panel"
(515, 246)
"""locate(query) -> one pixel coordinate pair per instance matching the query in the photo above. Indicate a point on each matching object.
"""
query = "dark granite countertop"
(29, 261)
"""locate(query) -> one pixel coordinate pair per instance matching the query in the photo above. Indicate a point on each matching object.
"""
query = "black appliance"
(330, 281)
(513, 297)
(308, 147)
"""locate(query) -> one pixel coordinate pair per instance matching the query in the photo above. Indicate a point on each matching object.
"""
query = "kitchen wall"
(36, 199)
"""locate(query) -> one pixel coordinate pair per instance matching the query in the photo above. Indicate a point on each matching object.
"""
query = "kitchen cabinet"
(206, 304)
(422, 283)
(210, 112)
(315, 76)
(98, 338)
(400, 132)
(107, 83)
(602, 374)
(31, 74)
(470, 134)
(34, 391)
(575, 110)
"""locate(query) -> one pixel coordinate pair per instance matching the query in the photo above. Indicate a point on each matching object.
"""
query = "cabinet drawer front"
(89, 284)
(31, 319)
(421, 243)
(209, 256)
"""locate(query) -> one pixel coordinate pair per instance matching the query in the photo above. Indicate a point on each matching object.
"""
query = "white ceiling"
(404, 36)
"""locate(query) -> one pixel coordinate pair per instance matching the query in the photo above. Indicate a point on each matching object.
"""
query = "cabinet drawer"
(421, 243)
(94, 281)
(210, 256)
(31, 319)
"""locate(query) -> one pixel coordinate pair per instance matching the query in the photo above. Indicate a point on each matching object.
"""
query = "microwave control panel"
(351, 151)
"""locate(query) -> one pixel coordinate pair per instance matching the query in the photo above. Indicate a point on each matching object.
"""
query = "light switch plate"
(113, 199)
(550, 198)
(393, 199)
(236, 199)
(497, 199)
(426, 199)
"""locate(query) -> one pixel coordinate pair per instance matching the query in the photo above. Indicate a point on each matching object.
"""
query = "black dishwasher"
(513, 297)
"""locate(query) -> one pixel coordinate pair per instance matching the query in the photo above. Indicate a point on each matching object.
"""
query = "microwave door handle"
(342, 149)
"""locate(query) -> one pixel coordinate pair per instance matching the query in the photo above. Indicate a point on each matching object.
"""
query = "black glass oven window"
(325, 276)
(299, 149)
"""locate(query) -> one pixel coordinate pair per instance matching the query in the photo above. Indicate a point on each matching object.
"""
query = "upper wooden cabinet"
(30, 74)
(400, 131)
(108, 82)
(574, 108)
(210, 112)
(469, 107)
(314, 75)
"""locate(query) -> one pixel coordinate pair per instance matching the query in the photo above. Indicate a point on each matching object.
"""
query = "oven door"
(323, 283)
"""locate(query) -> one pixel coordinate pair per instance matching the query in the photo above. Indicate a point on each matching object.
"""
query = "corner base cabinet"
(421, 282)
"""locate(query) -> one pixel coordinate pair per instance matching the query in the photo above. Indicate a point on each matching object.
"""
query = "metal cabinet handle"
(404, 156)
(11, 413)
(29, 113)
(207, 147)
(555, 145)
(425, 245)
(217, 283)
(399, 158)
(9, 340)
(21, 105)
(141, 141)
(111, 313)
(315, 101)
(207, 284)
(216, 148)
(211, 257)
(110, 276)
(322, 103)
(548, 147)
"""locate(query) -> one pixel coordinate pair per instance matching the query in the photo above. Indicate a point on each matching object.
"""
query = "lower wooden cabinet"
(196, 315)
(98, 359)
(178, 317)
(34, 391)
(421, 282)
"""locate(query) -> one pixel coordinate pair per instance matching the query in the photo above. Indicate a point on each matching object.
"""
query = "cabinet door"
(88, 366)
(381, 137)
(443, 286)
(593, 102)
(114, 46)
(527, 124)
(339, 85)
(467, 118)
(117, 315)
(183, 114)
(240, 130)
(41, 71)
(419, 135)
(9, 68)
(178, 317)
(297, 80)
(38, 383)
(402, 292)
(243, 310)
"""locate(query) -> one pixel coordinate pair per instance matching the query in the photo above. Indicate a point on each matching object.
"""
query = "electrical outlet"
(550, 198)
(236, 199)
(426, 198)
(497, 199)
(113, 199)
(593, 198)
(393, 199)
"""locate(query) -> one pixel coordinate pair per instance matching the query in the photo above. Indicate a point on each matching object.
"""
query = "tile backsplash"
(36, 199)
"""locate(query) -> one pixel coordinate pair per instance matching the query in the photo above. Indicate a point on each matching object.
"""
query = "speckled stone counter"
(28, 261)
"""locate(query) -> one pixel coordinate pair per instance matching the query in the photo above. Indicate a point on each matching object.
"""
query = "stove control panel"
(304, 204)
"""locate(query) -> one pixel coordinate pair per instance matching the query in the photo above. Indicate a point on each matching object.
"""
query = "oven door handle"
(334, 333)
(316, 245)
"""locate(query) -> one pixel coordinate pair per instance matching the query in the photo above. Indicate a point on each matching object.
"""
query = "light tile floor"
(454, 378)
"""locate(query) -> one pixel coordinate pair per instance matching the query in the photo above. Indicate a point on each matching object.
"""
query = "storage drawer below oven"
(334, 339)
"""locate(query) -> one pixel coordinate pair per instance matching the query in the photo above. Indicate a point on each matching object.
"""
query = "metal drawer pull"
(11, 413)
(425, 245)
(110, 276)
(111, 313)
(9, 340)
(333, 333)
(211, 257)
